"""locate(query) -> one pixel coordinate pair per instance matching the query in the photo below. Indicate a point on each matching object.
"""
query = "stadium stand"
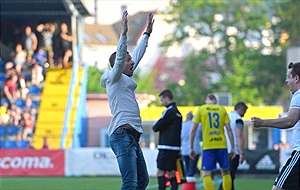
(22, 144)
(2, 131)
(11, 143)
(12, 130)
(2, 143)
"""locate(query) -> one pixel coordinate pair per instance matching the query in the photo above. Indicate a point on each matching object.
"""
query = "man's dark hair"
(167, 93)
(112, 59)
(295, 68)
(240, 105)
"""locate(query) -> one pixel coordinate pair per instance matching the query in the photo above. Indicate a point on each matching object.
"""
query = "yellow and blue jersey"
(213, 118)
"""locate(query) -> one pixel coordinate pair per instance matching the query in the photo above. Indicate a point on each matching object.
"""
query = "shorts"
(289, 176)
(29, 52)
(166, 159)
(211, 157)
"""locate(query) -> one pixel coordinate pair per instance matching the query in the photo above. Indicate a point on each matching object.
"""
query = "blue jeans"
(190, 165)
(131, 161)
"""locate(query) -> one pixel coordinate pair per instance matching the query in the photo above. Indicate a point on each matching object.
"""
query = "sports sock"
(174, 184)
(208, 183)
(226, 181)
(161, 182)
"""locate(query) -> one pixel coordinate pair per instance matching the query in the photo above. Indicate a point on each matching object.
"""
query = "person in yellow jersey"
(213, 117)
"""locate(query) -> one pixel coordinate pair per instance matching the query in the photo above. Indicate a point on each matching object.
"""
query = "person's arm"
(141, 48)
(240, 139)
(289, 121)
(121, 51)
(35, 42)
(230, 135)
(40, 27)
(192, 137)
(167, 117)
(7, 93)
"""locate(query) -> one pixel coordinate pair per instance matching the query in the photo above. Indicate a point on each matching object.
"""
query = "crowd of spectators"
(21, 81)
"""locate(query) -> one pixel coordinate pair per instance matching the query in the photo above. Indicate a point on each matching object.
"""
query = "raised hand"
(150, 22)
(124, 23)
(256, 122)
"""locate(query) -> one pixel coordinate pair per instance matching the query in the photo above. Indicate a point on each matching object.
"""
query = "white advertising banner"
(100, 162)
(90, 161)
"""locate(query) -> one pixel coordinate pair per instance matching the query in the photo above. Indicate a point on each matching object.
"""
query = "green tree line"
(245, 54)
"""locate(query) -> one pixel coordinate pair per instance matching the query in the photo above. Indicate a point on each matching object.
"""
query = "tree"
(94, 75)
(243, 55)
(145, 83)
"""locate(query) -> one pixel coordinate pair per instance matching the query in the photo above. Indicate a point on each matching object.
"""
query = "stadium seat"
(20, 103)
(4, 100)
(35, 103)
(11, 144)
(23, 144)
(2, 130)
(12, 130)
(2, 78)
(2, 143)
(34, 90)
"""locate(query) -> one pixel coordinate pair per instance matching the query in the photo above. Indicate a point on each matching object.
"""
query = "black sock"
(174, 184)
(161, 182)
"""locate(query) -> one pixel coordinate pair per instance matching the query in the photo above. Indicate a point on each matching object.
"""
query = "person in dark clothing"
(169, 143)
(65, 43)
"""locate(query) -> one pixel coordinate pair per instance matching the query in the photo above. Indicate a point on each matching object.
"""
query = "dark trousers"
(234, 164)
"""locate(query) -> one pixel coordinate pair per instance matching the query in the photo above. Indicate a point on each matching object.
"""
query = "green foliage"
(244, 55)
(145, 83)
(94, 75)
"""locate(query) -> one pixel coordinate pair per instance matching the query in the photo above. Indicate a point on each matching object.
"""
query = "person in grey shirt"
(126, 126)
(190, 164)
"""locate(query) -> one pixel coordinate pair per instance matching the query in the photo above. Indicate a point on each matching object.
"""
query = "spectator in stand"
(15, 115)
(4, 116)
(37, 76)
(40, 57)
(27, 126)
(22, 89)
(31, 107)
(30, 42)
(10, 88)
(9, 69)
(65, 40)
(47, 31)
(19, 58)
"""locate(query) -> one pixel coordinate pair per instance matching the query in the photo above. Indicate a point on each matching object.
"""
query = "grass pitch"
(112, 183)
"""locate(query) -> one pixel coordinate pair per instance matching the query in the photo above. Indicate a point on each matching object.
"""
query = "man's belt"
(128, 130)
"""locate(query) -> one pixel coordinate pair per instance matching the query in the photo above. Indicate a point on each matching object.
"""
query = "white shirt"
(234, 116)
(295, 104)
(120, 88)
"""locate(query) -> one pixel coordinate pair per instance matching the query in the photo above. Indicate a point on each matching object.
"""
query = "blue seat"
(20, 103)
(2, 130)
(35, 103)
(22, 144)
(34, 90)
(2, 77)
(4, 100)
(2, 144)
(11, 144)
(12, 130)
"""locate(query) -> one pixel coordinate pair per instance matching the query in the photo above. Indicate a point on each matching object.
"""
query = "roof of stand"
(45, 8)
